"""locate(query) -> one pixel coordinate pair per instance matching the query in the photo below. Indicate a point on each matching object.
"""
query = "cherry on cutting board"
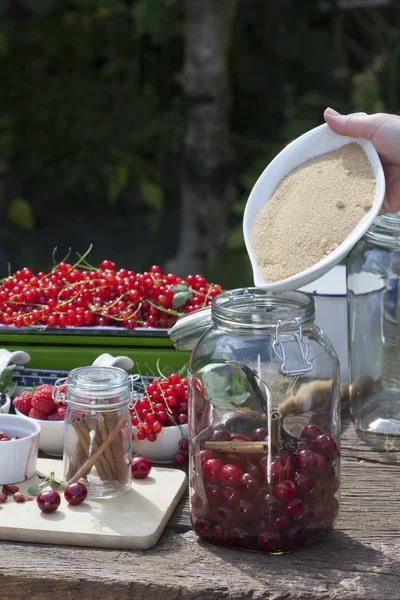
(75, 493)
(141, 467)
(48, 501)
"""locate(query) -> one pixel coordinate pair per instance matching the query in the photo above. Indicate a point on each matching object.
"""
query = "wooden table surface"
(359, 560)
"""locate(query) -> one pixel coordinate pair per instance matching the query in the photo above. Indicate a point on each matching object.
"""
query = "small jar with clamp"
(98, 429)
(264, 422)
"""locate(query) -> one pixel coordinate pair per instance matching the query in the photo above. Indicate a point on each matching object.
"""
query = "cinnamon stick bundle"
(100, 445)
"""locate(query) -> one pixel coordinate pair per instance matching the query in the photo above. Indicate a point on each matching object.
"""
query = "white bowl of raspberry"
(18, 456)
(40, 407)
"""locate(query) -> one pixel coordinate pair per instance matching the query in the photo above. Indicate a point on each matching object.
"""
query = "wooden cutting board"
(134, 520)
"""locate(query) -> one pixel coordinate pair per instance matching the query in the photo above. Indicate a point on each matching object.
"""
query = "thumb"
(358, 125)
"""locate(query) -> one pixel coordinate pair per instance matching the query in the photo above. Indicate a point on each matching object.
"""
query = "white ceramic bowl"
(18, 457)
(165, 446)
(5, 409)
(313, 143)
(52, 435)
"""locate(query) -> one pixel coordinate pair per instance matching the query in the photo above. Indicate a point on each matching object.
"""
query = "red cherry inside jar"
(273, 503)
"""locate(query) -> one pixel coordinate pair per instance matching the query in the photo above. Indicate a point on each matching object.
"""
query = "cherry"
(293, 508)
(310, 432)
(206, 455)
(230, 495)
(249, 484)
(269, 541)
(326, 445)
(223, 515)
(183, 445)
(259, 435)
(221, 435)
(304, 483)
(213, 491)
(239, 437)
(211, 470)
(305, 461)
(179, 459)
(280, 523)
(219, 534)
(286, 490)
(231, 475)
(48, 501)
(246, 509)
(140, 467)
(75, 493)
(239, 537)
(202, 528)
(268, 503)
(274, 473)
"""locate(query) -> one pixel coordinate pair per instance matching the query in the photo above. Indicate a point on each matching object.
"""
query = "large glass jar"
(264, 422)
(373, 275)
(97, 429)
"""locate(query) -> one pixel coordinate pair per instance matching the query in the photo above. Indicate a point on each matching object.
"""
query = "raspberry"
(43, 399)
(24, 403)
(61, 410)
(34, 413)
(55, 417)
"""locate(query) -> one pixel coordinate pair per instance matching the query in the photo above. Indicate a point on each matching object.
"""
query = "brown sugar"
(312, 211)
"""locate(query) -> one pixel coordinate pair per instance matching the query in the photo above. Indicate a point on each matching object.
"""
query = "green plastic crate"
(67, 349)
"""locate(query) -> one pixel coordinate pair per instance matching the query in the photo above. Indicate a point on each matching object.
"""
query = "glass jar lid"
(188, 329)
(385, 231)
(250, 308)
(98, 387)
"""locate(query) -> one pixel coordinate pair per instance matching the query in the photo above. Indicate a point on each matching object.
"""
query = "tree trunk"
(207, 178)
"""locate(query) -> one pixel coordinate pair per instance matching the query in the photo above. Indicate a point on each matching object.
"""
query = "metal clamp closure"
(279, 350)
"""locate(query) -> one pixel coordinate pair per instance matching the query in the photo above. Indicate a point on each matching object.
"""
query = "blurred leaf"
(3, 6)
(40, 8)
(117, 183)
(152, 194)
(7, 385)
(248, 180)
(20, 213)
(182, 293)
(235, 238)
(238, 207)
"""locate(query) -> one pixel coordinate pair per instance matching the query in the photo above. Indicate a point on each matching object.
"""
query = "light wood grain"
(359, 561)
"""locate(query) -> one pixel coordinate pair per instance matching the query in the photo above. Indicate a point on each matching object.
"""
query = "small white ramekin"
(18, 458)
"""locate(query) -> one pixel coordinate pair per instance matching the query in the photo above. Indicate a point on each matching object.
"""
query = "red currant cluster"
(82, 296)
(164, 404)
(274, 504)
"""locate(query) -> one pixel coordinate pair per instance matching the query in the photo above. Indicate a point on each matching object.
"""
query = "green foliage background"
(92, 116)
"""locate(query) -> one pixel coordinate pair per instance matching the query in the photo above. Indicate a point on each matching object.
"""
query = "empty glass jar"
(97, 434)
(263, 421)
(373, 276)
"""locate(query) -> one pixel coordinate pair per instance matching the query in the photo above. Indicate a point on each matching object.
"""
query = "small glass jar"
(264, 422)
(373, 291)
(97, 429)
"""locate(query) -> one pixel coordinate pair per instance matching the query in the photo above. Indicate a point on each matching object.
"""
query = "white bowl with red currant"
(39, 405)
(159, 421)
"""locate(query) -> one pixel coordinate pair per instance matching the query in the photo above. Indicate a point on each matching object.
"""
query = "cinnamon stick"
(117, 448)
(96, 441)
(98, 453)
(239, 447)
(275, 430)
(102, 468)
(101, 421)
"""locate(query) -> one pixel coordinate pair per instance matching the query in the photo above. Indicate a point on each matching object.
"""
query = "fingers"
(358, 125)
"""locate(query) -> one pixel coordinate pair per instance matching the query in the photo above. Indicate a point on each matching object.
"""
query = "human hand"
(384, 132)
